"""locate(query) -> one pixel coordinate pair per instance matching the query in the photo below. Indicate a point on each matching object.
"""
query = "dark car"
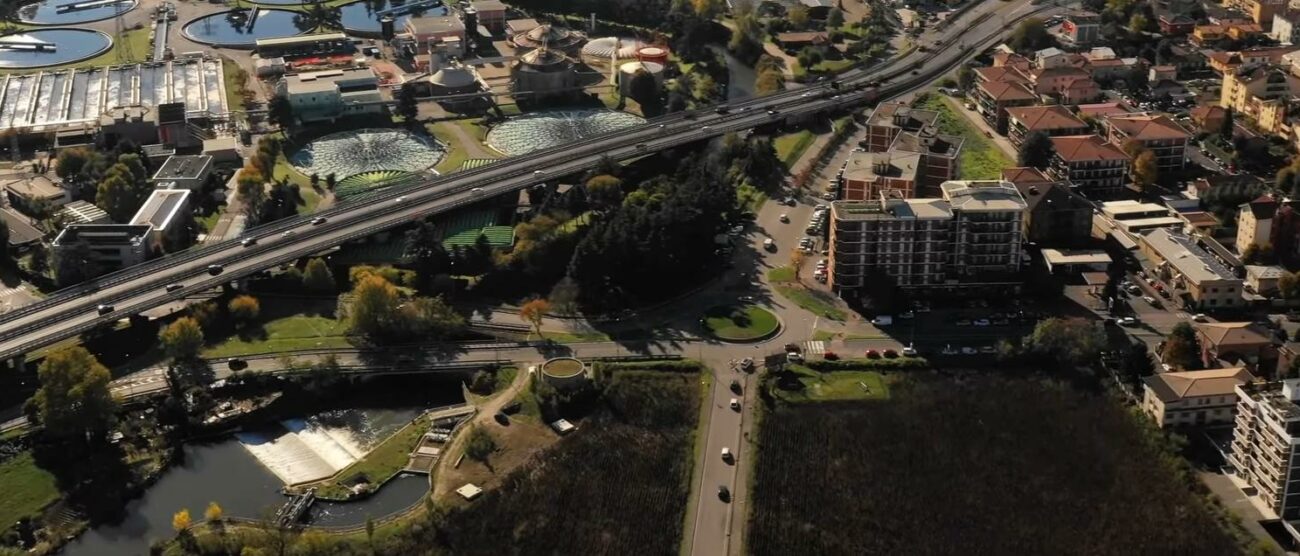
(104, 309)
(724, 493)
(735, 386)
(215, 269)
(237, 364)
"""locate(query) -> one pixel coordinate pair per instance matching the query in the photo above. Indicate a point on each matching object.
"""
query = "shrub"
(901, 363)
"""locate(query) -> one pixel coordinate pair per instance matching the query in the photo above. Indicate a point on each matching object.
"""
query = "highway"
(139, 288)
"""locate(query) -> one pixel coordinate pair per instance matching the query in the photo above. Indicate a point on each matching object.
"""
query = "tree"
(1229, 121)
(1138, 23)
(533, 312)
(74, 400)
(1289, 285)
(244, 309)
(1145, 169)
(1182, 349)
(707, 9)
(1031, 35)
(279, 112)
(39, 260)
(480, 445)
(965, 77)
(317, 276)
(605, 191)
(1136, 364)
(182, 339)
(1068, 341)
(1036, 151)
(214, 512)
(251, 188)
(1257, 253)
(374, 306)
(769, 82)
(797, 259)
(181, 521)
(118, 197)
(330, 181)
(809, 57)
(834, 19)
(797, 16)
(407, 105)
(426, 317)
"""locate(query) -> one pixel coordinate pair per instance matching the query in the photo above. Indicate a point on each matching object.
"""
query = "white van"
(882, 320)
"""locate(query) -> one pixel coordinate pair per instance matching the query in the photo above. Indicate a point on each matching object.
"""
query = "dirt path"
(483, 417)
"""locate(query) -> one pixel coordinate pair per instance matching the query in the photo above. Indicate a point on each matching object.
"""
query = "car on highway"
(734, 404)
(288, 233)
(967, 350)
(724, 493)
(318, 221)
(962, 322)
(988, 350)
(173, 287)
(890, 354)
(236, 364)
(981, 322)
(249, 242)
(1126, 321)
(538, 172)
(882, 320)
(215, 269)
(103, 309)
(726, 454)
(872, 354)
(476, 191)
(909, 351)
(400, 200)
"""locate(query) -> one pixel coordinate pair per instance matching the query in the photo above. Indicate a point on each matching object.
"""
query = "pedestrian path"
(814, 347)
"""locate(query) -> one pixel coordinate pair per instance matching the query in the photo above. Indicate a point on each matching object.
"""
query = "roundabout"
(740, 323)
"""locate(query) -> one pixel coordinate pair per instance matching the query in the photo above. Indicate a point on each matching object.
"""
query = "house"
(1259, 93)
(1235, 343)
(183, 172)
(1208, 117)
(793, 42)
(1004, 59)
(1081, 28)
(1186, 59)
(1054, 215)
(1175, 25)
(994, 97)
(1156, 133)
(867, 175)
(1182, 263)
(520, 26)
(1207, 35)
(1227, 62)
(1080, 90)
(325, 96)
(1090, 163)
(1193, 398)
(1261, 12)
(1051, 120)
(890, 119)
(818, 9)
(1073, 262)
(1263, 279)
(1048, 58)
(1255, 222)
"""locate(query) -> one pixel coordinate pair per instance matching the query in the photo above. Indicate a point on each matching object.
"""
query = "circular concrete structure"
(348, 153)
(540, 130)
(603, 48)
(656, 54)
(565, 373)
(628, 70)
(548, 36)
(61, 12)
(40, 48)
(243, 28)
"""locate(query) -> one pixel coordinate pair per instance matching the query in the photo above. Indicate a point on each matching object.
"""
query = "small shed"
(562, 426)
(469, 492)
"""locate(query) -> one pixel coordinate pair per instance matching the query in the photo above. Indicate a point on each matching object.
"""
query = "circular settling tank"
(603, 48)
(349, 153)
(540, 130)
(362, 17)
(68, 12)
(51, 47)
(564, 373)
(242, 28)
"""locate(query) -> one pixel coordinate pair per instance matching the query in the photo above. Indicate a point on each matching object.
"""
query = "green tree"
(605, 191)
(182, 339)
(1136, 364)
(797, 17)
(279, 112)
(75, 264)
(1182, 349)
(1068, 341)
(1138, 23)
(251, 188)
(244, 309)
(834, 19)
(374, 306)
(769, 82)
(118, 198)
(73, 400)
(1229, 121)
(427, 318)
(408, 107)
(1036, 151)
(317, 276)
(480, 445)
(1145, 170)
(1030, 35)
(965, 77)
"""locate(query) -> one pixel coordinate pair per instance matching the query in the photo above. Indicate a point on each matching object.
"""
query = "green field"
(384, 461)
(781, 274)
(236, 80)
(981, 159)
(288, 333)
(791, 146)
(740, 323)
(456, 153)
(464, 228)
(27, 489)
(817, 302)
(834, 385)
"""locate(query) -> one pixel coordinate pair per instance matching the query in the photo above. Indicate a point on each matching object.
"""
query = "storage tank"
(629, 69)
(656, 54)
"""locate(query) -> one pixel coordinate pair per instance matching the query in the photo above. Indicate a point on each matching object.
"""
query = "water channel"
(740, 76)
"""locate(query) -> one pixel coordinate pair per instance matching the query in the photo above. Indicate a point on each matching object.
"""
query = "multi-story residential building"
(1260, 11)
(1051, 120)
(1054, 215)
(1081, 28)
(1172, 25)
(1156, 133)
(1204, 282)
(867, 175)
(940, 157)
(1286, 27)
(892, 118)
(1255, 222)
(1193, 398)
(1265, 438)
(1051, 58)
(1090, 163)
(1208, 118)
(1055, 80)
(1228, 62)
(994, 97)
(1260, 93)
(969, 238)
(1080, 90)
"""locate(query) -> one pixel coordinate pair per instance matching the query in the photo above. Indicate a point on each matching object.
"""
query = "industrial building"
(544, 73)
(162, 211)
(326, 96)
(183, 172)
(111, 246)
(549, 37)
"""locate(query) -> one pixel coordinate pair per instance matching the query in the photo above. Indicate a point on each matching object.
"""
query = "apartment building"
(1264, 456)
(1156, 133)
(1286, 28)
(1081, 28)
(993, 98)
(1054, 215)
(1260, 11)
(1193, 398)
(868, 175)
(1090, 163)
(969, 238)
(1051, 120)
(1203, 281)
(1236, 344)
(940, 157)
(1260, 93)
(1255, 222)
(890, 119)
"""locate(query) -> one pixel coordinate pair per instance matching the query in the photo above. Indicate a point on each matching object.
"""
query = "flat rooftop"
(1069, 256)
(1188, 258)
(992, 195)
(891, 209)
(1118, 209)
(103, 234)
(189, 167)
(161, 208)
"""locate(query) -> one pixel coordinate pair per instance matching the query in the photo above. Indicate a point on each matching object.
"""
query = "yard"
(27, 489)
(791, 146)
(740, 324)
(835, 385)
(981, 159)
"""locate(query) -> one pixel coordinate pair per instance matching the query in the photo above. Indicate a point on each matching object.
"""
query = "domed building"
(455, 79)
(544, 73)
(550, 37)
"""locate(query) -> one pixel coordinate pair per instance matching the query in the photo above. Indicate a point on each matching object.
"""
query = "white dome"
(453, 78)
(604, 47)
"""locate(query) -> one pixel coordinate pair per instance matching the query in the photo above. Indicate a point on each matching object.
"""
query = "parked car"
(890, 354)
(1200, 317)
(769, 245)
(981, 322)
(949, 350)
(967, 350)
(873, 354)
(784, 218)
(1127, 321)
(909, 351)
(882, 320)
(735, 404)
(988, 350)
(726, 454)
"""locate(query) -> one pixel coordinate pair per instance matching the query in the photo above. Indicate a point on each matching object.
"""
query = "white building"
(163, 212)
(329, 95)
(111, 246)
(1264, 456)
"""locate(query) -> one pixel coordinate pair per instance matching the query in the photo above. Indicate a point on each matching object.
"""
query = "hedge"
(883, 364)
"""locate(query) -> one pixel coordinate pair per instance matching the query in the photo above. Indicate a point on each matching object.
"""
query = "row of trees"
(382, 314)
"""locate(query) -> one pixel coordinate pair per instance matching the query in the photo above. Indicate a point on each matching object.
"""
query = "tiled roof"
(1077, 148)
(1232, 333)
(1025, 175)
(1038, 118)
(1171, 387)
(996, 74)
(1101, 109)
(1148, 127)
(1002, 90)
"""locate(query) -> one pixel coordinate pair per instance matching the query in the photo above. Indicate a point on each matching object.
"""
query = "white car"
(882, 320)
(735, 404)
(400, 200)
(726, 454)
(1200, 317)
(784, 218)
(909, 351)
(1127, 321)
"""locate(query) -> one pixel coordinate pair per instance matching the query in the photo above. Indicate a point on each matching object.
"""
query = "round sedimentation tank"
(604, 48)
(565, 373)
(243, 28)
(366, 17)
(656, 54)
(69, 12)
(40, 48)
(628, 71)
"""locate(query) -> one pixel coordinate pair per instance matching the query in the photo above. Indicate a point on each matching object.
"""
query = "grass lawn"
(781, 274)
(823, 335)
(834, 66)
(571, 337)
(790, 147)
(287, 333)
(835, 385)
(27, 489)
(381, 463)
(980, 158)
(813, 301)
(235, 79)
(740, 323)
(310, 198)
(456, 153)
(210, 221)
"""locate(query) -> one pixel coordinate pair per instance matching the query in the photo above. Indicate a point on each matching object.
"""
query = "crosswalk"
(4, 292)
(814, 347)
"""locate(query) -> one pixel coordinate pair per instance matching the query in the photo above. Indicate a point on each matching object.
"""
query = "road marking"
(814, 347)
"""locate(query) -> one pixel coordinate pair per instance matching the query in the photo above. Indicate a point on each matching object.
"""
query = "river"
(740, 76)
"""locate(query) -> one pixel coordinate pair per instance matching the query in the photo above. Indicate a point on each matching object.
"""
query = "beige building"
(1204, 282)
(1260, 93)
(1193, 397)
(1255, 222)
(1264, 455)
